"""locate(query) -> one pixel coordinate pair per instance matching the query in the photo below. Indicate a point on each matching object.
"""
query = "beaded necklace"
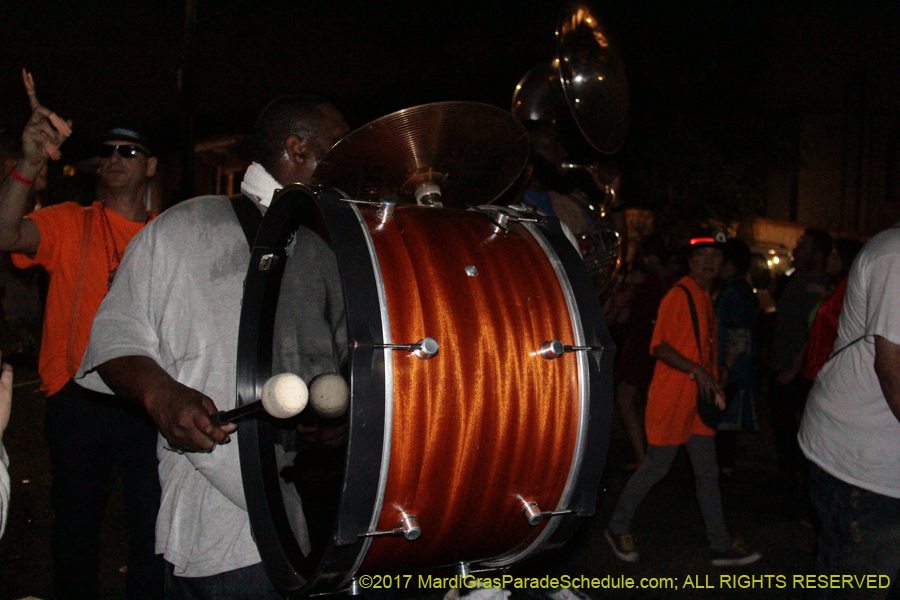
(112, 258)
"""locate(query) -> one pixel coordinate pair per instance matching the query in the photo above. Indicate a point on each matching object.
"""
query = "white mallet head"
(329, 395)
(284, 396)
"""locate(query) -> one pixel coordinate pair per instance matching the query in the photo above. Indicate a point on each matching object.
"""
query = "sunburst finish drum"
(481, 387)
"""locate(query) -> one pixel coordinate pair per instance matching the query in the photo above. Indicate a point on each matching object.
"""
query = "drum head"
(305, 510)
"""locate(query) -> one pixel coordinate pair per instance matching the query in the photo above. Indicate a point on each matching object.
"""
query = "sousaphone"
(585, 82)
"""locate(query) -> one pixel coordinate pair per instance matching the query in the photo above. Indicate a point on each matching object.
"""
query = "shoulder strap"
(248, 215)
(694, 319)
(842, 348)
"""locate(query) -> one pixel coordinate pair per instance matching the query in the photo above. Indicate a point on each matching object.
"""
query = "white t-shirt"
(848, 428)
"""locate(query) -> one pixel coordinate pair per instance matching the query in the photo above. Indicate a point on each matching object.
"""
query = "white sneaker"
(623, 546)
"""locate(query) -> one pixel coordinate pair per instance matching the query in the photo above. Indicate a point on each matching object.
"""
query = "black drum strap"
(248, 215)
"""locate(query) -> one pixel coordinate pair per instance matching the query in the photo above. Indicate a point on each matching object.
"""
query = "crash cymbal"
(468, 152)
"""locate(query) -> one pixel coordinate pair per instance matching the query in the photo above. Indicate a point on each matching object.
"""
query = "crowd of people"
(833, 454)
(138, 351)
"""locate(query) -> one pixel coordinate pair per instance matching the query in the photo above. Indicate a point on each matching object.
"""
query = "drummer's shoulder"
(201, 209)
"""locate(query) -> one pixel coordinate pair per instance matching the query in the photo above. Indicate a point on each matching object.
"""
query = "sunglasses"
(124, 150)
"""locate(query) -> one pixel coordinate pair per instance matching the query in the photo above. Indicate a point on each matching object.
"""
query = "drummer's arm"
(180, 413)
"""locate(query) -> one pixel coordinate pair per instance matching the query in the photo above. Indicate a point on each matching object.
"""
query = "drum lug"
(423, 349)
(408, 527)
(502, 216)
(386, 210)
(463, 569)
(532, 513)
(555, 349)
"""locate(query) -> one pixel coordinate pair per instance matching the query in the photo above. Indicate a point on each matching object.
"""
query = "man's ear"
(151, 167)
(298, 150)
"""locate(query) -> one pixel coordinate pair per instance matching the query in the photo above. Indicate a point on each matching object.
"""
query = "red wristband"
(693, 371)
(21, 178)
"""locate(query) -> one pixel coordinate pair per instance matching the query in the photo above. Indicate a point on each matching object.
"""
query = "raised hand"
(63, 129)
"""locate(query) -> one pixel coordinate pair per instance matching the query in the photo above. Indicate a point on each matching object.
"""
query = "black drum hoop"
(326, 214)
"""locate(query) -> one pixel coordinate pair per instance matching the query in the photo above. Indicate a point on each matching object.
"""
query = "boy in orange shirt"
(682, 371)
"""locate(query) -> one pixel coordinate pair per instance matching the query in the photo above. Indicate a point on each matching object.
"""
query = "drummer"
(166, 338)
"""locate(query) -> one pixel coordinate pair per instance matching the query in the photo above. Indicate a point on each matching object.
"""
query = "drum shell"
(488, 423)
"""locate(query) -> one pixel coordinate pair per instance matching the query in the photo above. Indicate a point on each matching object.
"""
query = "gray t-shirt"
(848, 428)
(177, 299)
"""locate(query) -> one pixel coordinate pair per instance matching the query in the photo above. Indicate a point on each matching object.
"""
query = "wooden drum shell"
(488, 422)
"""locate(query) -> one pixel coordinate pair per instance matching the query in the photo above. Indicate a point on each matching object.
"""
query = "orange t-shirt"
(76, 287)
(671, 417)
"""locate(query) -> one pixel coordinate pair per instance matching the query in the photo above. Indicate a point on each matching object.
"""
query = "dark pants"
(860, 535)
(247, 583)
(726, 448)
(89, 434)
(788, 401)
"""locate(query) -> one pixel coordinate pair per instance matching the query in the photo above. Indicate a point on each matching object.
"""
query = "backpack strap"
(694, 319)
(248, 215)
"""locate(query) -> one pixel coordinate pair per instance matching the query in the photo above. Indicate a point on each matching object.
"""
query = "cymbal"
(592, 76)
(472, 152)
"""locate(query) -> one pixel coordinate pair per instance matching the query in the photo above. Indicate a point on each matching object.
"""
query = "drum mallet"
(283, 396)
(329, 395)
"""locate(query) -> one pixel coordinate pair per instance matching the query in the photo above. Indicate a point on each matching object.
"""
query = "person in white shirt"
(851, 426)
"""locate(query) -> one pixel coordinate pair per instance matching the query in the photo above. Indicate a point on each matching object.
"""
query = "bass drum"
(480, 376)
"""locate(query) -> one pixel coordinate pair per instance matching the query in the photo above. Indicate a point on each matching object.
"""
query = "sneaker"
(736, 556)
(622, 545)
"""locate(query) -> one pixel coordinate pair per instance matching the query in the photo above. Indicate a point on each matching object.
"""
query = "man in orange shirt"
(685, 366)
(88, 433)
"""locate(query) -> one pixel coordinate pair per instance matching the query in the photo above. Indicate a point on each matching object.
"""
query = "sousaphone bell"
(585, 82)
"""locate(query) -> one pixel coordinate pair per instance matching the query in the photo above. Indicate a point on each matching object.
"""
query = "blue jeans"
(90, 434)
(247, 583)
(860, 533)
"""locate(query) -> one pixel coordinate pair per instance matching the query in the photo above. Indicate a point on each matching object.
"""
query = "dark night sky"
(91, 59)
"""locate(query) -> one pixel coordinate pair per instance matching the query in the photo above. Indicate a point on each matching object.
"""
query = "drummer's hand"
(182, 416)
